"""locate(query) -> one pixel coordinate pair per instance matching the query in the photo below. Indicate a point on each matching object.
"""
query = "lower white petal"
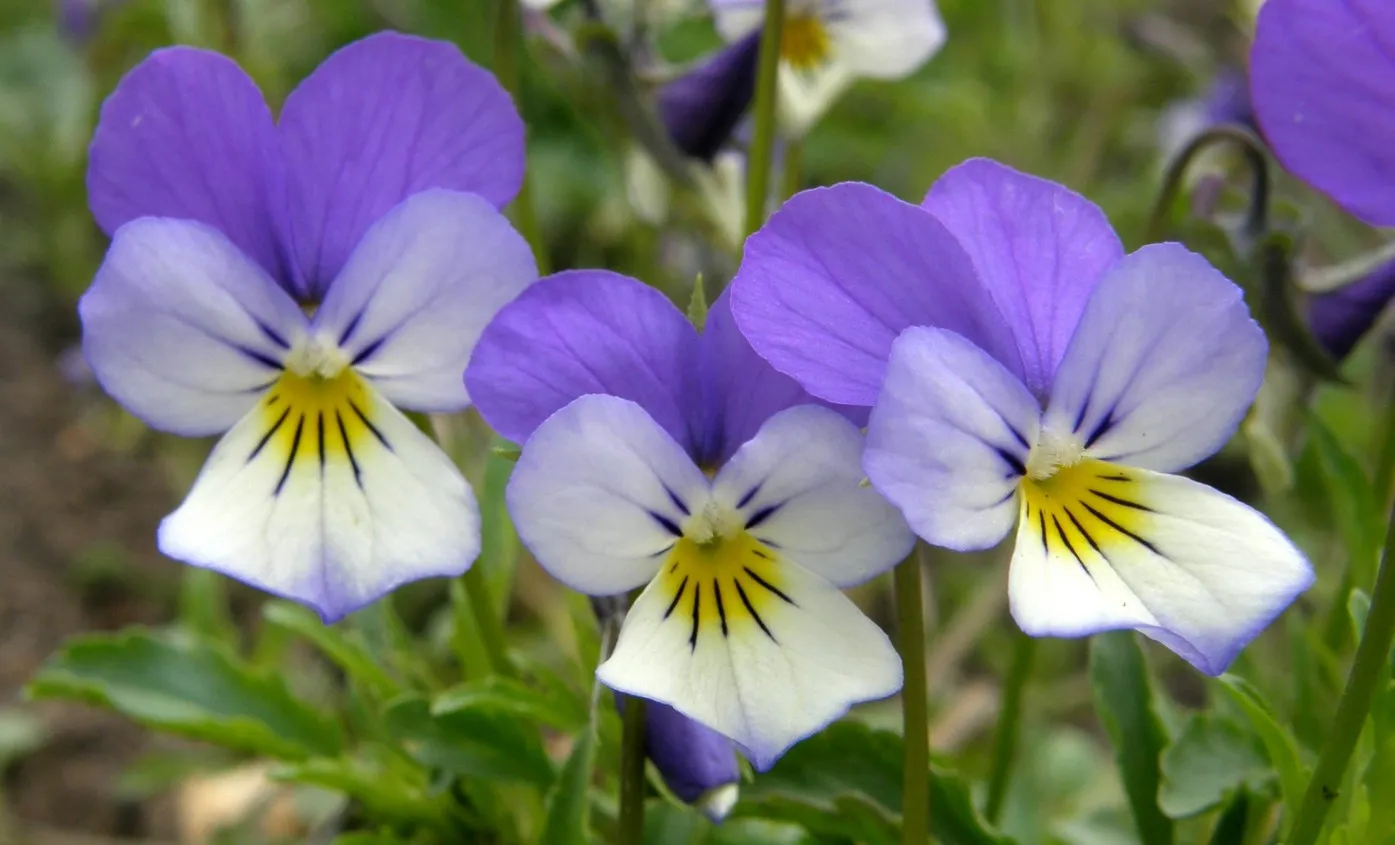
(806, 94)
(326, 494)
(885, 39)
(1102, 547)
(754, 647)
(798, 485)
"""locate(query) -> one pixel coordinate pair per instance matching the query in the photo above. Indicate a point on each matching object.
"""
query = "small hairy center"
(316, 358)
(713, 524)
(804, 42)
(1053, 452)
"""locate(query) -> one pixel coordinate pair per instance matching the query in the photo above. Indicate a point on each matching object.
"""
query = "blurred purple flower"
(1340, 318)
(78, 19)
(702, 107)
(697, 763)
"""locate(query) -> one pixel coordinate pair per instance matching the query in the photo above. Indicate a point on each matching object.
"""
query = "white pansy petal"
(184, 329)
(754, 647)
(797, 486)
(326, 494)
(1102, 547)
(1163, 364)
(805, 95)
(600, 494)
(419, 289)
(884, 39)
(948, 439)
(736, 18)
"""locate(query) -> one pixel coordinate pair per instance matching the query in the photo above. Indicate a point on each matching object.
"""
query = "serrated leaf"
(497, 694)
(1209, 761)
(569, 803)
(1279, 744)
(344, 648)
(846, 781)
(1124, 702)
(467, 743)
(192, 689)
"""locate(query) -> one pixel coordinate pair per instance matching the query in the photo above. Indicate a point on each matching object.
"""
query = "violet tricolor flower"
(702, 107)
(826, 44)
(1026, 372)
(292, 282)
(1322, 79)
(655, 455)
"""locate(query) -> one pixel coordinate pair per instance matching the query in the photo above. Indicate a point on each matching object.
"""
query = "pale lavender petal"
(417, 292)
(186, 134)
(380, 120)
(1164, 364)
(741, 391)
(837, 273)
(1038, 247)
(1340, 318)
(182, 328)
(583, 332)
(1322, 77)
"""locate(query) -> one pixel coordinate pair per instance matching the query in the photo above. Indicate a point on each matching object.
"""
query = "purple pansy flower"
(702, 107)
(1340, 318)
(697, 764)
(1322, 79)
(657, 455)
(1025, 372)
(372, 202)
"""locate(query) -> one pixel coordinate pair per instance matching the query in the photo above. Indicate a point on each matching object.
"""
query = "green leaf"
(1230, 828)
(497, 694)
(192, 689)
(569, 804)
(1352, 502)
(846, 781)
(697, 304)
(1124, 702)
(343, 647)
(471, 743)
(1278, 742)
(387, 787)
(1211, 759)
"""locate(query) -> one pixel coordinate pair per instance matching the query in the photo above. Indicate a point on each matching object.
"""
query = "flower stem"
(763, 141)
(632, 773)
(1371, 656)
(794, 168)
(508, 44)
(910, 620)
(1009, 724)
(489, 625)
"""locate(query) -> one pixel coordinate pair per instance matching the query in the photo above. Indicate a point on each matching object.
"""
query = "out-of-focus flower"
(1340, 318)
(78, 20)
(826, 44)
(1026, 373)
(1226, 101)
(1322, 78)
(373, 205)
(657, 455)
(702, 107)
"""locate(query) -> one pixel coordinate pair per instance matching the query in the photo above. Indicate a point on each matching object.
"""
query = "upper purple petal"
(1322, 77)
(582, 332)
(186, 134)
(740, 390)
(378, 121)
(1340, 318)
(1038, 247)
(837, 273)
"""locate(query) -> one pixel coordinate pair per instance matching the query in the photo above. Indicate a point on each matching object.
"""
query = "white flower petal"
(600, 493)
(1102, 547)
(419, 289)
(183, 328)
(765, 658)
(797, 486)
(805, 95)
(326, 494)
(884, 39)
(949, 437)
(736, 18)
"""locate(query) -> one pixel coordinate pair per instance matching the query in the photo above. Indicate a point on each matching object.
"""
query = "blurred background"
(1093, 93)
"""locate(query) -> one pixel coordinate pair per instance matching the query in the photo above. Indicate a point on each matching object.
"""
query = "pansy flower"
(1028, 375)
(826, 44)
(658, 457)
(1322, 80)
(293, 283)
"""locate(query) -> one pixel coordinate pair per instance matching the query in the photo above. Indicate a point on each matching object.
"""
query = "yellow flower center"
(314, 418)
(721, 585)
(1082, 509)
(804, 42)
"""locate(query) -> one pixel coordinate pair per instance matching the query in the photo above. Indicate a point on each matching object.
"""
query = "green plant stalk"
(508, 44)
(763, 141)
(632, 773)
(1009, 729)
(794, 168)
(1366, 669)
(910, 622)
(487, 622)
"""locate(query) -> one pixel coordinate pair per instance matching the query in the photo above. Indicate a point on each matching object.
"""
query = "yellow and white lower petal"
(733, 635)
(326, 494)
(1102, 547)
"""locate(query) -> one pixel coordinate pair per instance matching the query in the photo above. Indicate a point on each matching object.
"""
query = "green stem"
(632, 773)
(508, 44)
(763, 141)
(489, 625)
(1371, 657)
(1009, 724)
(910, 620)
(1256, 217)
(794, 168)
